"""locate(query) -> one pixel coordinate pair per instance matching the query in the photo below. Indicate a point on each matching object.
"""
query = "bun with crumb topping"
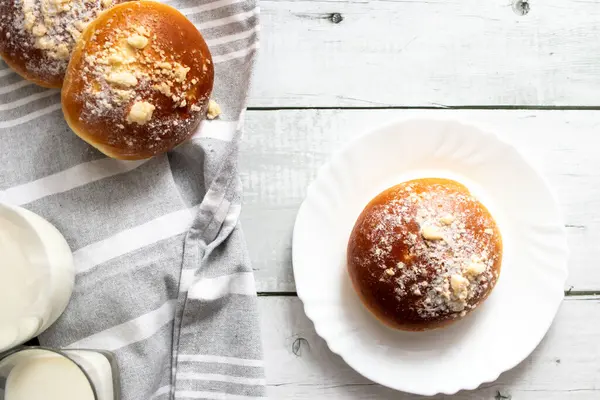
(423, 254)
(37, 37)
(139, 81)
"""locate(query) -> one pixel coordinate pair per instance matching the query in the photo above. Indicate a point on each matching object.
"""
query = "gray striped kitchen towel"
(163, 278)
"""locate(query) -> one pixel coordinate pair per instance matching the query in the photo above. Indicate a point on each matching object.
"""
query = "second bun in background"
(37, 37)
(139, 81)
(424, 253)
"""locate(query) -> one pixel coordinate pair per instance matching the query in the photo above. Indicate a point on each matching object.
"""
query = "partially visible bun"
(37, 36)
(139, 81)
(423, 254)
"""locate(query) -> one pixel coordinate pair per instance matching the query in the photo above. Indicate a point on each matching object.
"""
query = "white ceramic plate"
(513, 320)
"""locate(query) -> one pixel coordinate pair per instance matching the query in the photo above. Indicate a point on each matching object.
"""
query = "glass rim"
(5, 355)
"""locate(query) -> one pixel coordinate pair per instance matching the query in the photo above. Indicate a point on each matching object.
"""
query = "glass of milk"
(38, 373)
(36, 275)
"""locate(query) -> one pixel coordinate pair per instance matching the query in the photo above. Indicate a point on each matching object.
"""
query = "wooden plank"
(282, 151)
(427, 53)
(300, 366)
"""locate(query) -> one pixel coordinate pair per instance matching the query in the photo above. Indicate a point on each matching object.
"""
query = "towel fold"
(163, 277)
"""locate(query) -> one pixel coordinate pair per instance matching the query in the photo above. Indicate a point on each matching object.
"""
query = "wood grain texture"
(282, 151)
(427, 53)
(300, 366)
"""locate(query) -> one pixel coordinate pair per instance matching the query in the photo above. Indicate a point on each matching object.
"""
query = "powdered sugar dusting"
(147, 85)
(44, 32)
(435, 243)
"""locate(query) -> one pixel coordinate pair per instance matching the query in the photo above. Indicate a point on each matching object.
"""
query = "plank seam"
(433, 107)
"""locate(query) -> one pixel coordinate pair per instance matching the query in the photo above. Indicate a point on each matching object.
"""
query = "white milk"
(42, 374)
(36, 275)
(47, 377)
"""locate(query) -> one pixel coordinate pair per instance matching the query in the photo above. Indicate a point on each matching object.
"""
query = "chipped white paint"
(427, 53)
(282, 151)
(300, 366)
(415, 53)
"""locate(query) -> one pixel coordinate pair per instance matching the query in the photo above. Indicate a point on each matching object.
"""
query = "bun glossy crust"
(37, 37)
(423, 254)
(139, 81)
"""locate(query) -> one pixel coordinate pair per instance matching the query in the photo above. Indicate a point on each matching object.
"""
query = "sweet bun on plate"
(423, 254)
(139, 81)
(37, 36)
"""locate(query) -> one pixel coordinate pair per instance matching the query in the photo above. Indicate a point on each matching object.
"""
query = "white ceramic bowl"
(510, 323)
(39, 280)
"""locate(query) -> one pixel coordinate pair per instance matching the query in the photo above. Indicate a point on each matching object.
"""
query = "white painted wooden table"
(330, 68)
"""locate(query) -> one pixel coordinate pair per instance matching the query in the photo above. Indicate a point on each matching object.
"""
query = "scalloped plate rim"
(498, 369)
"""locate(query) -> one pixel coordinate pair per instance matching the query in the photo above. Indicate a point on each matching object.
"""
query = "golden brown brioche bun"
(37, 37)
(139, 81)
(424, 254)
